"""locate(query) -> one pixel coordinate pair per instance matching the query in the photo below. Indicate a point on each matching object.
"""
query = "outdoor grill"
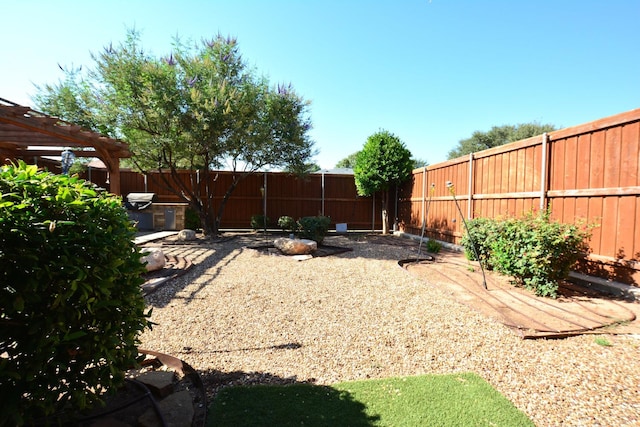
(139, 207)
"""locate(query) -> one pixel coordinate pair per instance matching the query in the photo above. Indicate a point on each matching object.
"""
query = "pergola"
(28, 134)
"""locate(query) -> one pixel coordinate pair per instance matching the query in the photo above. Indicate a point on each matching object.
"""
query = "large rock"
(186, 235)
(295, 246)
(154, 259)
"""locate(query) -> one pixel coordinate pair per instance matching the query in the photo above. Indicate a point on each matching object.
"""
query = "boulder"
(295, 246)
(186, 234)
(154, 259)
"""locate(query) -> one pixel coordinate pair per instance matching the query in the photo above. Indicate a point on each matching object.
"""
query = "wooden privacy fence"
(276, 193)
(583, 173)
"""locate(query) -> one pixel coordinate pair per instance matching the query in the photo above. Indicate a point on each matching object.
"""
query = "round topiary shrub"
(71, 308)
(314, 227)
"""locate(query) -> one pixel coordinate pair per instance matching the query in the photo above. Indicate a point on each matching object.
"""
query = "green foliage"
(535, 250)
(348, 162)
(383, 161)
(287, 223)
(259, 222)
(482, 232)
(191, 219)
(434, 246)
(602, 341)
(314, 227)
(197, 108)
(498, 135)
(71, 309)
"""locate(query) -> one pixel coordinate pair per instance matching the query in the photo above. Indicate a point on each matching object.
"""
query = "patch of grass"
(430, 400)
(603, 342)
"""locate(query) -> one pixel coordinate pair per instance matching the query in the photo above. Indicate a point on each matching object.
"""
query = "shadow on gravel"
(219, 254)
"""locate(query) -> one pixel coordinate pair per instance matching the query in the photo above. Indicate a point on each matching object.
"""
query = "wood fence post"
(470, 185)
(544, 171)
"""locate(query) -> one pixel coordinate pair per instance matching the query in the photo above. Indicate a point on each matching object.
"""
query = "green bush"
(259, 222)
(535, 250)
(433, 246)
(314, 227)
(71, 308)
(482, 232)
(286, 223)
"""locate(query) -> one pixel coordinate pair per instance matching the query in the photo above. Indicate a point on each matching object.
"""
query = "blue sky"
(431, 72)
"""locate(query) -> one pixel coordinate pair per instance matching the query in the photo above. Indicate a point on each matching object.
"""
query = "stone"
(186, 235)
(159, 382)
(295, 246)
(177, 411)
(154, 259)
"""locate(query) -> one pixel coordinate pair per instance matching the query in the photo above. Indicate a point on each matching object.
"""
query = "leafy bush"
(535, 250)
(71, 308)
(482, 232)
(259, 222)
(286, 223)
(314, 227)
(433, 246)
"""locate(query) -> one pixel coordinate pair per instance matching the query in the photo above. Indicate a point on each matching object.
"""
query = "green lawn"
(430, 400)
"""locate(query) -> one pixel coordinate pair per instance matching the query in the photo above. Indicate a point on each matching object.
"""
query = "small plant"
(314, 227)
(603, 342)
(434, 246)
(481, 232)
(71, 309)
(259, 222)
(286, 223)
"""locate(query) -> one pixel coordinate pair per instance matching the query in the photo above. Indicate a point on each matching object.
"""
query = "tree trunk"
(385, 212)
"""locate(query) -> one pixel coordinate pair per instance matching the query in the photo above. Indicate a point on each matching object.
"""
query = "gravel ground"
(242, 316)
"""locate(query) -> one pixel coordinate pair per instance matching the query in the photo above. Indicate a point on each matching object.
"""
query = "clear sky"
(431, 72)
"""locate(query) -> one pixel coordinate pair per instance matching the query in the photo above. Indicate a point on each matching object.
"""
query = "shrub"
(314, 227)
(259, 222)
(536, 251)
(71, 307)
(286, 223)
(482, 232)
(433, 246)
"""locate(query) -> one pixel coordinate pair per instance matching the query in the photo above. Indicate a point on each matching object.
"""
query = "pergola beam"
(23, 133)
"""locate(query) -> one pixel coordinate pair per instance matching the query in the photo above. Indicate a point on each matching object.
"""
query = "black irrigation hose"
(452, 190)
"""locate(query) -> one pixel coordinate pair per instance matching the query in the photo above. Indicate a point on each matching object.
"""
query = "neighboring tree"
(419, 163)
(498, 135)
(348, 162)
(384, 161)
(306, 169)
(198, 108)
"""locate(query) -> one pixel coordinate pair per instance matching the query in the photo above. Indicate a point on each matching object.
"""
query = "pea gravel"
(243, 316)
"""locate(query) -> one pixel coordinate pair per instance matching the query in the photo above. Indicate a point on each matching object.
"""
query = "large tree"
(498, 135)
(198, 108)
(384, 161)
